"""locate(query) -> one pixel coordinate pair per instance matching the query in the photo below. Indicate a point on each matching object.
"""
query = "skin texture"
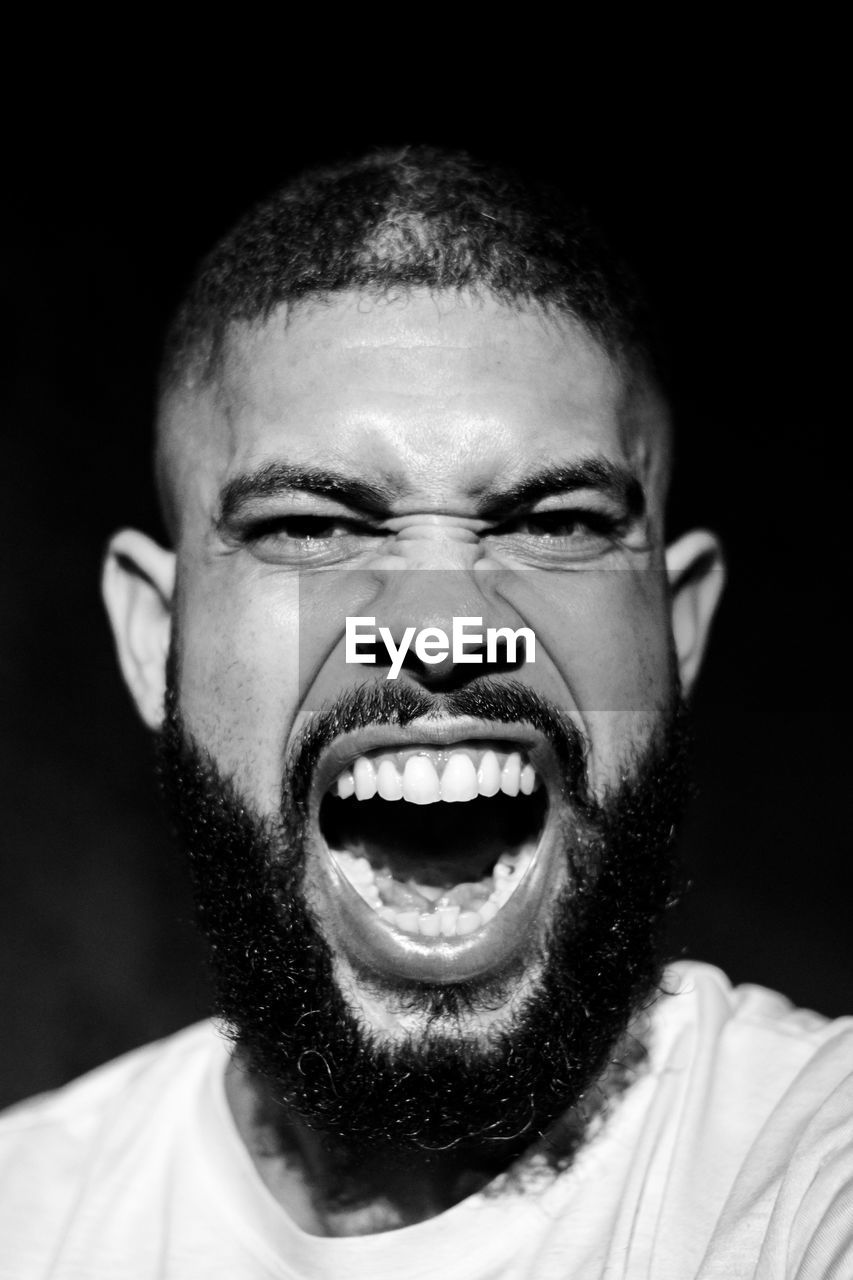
(445, 403)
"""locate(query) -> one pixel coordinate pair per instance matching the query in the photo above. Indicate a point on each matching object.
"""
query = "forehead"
(436, 397)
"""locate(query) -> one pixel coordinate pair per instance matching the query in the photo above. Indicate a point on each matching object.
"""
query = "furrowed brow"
(281, 477)
(596, 473)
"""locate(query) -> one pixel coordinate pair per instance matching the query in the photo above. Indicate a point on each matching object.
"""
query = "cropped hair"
(414, 217)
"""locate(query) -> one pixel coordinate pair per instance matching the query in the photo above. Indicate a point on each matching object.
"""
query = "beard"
(486, 1098)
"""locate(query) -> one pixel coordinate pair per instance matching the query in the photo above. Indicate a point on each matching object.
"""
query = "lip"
(354, 928)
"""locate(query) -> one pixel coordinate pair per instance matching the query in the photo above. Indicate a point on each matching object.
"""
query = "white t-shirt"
(730, 1156)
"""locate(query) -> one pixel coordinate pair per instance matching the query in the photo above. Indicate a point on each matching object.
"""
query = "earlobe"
(138, 584)
(696, 572)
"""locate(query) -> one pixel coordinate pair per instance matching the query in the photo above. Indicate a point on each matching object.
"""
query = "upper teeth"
(420, 782)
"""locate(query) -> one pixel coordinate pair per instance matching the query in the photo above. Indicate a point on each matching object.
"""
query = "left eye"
(561, 524)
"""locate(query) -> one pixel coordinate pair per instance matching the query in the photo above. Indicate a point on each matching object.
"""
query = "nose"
(464, 661)
(447, 628)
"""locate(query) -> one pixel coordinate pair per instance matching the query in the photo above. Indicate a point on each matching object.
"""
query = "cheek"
(259, 648)
(607, 634)
(237, 648)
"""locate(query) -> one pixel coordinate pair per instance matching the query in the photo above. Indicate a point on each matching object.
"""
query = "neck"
(330, 1189)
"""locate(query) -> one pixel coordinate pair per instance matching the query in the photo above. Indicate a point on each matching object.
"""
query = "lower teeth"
(429, 911)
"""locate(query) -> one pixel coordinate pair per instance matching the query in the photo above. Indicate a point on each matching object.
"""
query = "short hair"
(414, 217)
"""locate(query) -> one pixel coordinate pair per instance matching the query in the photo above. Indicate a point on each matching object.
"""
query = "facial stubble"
(442, 1089)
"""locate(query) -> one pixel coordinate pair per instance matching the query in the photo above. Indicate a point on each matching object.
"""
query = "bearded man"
(417, 661)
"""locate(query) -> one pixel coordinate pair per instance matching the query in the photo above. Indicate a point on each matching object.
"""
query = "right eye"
(305, 528)
(308, 539)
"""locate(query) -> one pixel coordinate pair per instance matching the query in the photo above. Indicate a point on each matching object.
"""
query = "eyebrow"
(280, 477)
(596, 472)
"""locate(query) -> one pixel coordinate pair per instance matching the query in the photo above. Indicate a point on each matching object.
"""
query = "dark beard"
(274, 973)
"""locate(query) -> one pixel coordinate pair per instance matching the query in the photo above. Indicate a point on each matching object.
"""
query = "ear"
(137, 584)
(696, 572)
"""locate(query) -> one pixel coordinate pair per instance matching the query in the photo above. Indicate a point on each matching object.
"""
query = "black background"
(723, 192)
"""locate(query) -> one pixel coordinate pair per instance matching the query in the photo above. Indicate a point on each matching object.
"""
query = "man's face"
(493, 455)
(446, 406)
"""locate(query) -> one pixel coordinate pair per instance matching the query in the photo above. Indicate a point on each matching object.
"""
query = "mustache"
(493, 701)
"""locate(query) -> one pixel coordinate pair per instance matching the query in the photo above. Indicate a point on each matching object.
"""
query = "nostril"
(476, 661)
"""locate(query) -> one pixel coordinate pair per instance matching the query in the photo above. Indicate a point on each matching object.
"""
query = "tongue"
(469, 896)
(438, 869)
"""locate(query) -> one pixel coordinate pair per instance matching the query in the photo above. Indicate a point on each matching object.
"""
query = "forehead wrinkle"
(378, 461)
(237, 389)
(354, 325)
(240, 382)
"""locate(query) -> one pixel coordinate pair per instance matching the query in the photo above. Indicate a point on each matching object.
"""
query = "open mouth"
(436, 840)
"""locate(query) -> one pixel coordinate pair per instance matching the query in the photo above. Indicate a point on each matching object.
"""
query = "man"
(418, 662)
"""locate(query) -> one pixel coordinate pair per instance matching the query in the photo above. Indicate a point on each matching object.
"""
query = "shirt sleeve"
(810, 1232)
(789, 1214)
(828, 1255)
